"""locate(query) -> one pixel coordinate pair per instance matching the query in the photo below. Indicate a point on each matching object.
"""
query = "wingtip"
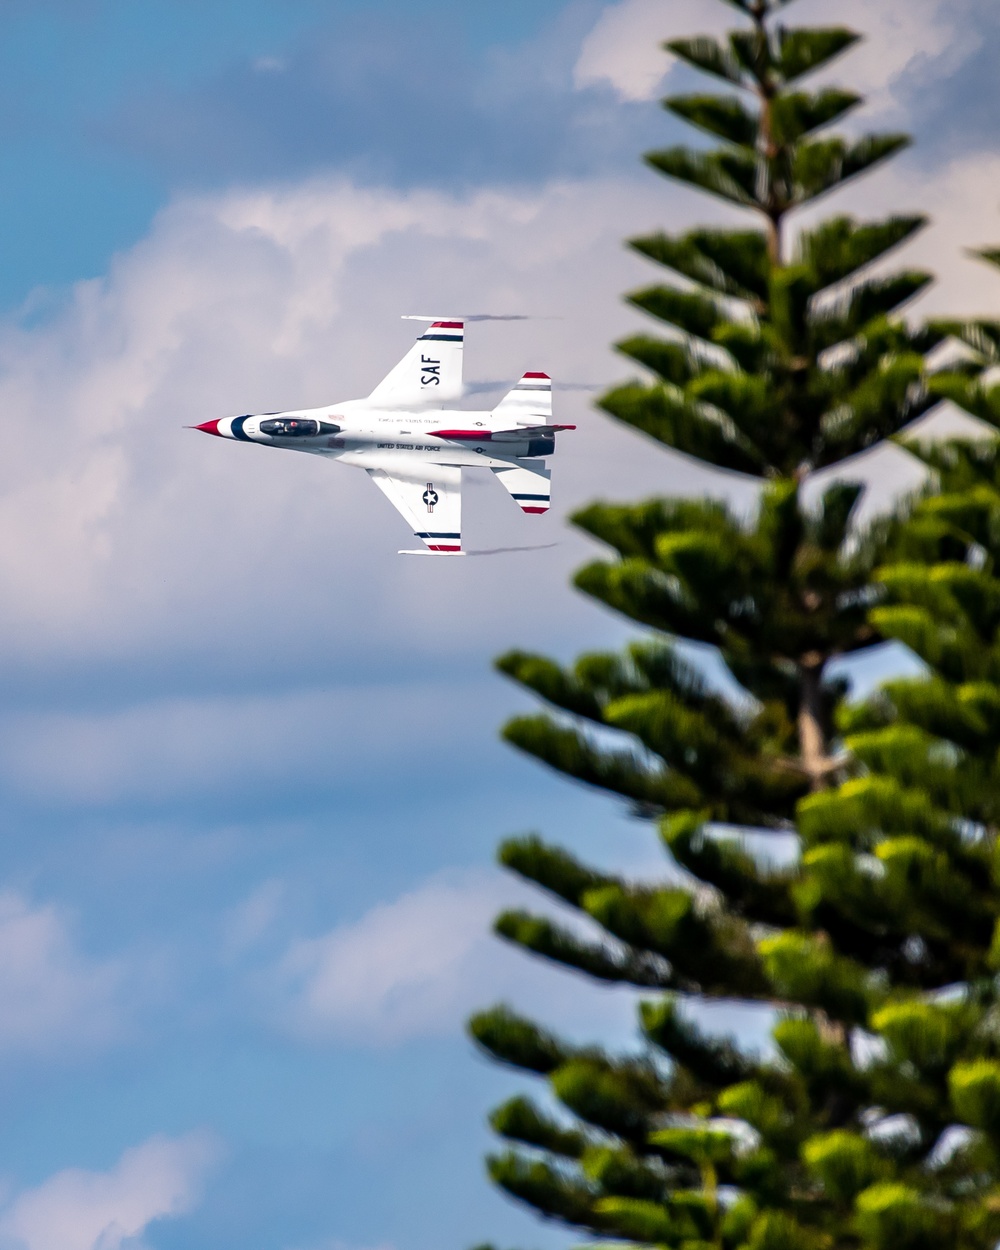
(436, 320)
(425, 552)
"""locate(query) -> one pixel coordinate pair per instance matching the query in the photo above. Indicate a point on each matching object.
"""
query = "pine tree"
(875, 1122)
(926, 805)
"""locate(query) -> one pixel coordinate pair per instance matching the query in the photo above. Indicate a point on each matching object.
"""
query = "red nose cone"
(210, 427)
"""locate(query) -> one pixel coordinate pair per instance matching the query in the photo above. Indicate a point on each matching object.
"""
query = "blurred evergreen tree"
(875, 1120)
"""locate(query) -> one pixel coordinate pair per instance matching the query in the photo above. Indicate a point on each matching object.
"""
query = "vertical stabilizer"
(529, 403)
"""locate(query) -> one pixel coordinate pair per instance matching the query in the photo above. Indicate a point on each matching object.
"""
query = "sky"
(250, 777)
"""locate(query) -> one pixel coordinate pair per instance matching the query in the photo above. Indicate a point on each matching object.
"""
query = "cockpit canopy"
(297, 427)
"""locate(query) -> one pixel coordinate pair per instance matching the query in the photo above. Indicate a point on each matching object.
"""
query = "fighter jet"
(413, 448)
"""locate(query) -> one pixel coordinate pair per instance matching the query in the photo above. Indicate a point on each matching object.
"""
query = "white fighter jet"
(413, 448)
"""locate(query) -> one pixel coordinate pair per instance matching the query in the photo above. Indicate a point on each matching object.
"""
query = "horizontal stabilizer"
(517, 435)
(529, 403)
(529, 484)
(528, 431)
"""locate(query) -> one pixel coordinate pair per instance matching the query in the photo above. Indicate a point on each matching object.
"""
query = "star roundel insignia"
(430, 497)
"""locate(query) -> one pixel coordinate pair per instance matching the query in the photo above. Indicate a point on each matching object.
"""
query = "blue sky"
(250, 781)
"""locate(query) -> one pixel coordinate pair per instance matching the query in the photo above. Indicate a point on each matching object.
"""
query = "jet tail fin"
(529, 403)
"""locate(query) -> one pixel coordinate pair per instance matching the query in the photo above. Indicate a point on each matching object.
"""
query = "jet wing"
(430, 372)
(430, 498)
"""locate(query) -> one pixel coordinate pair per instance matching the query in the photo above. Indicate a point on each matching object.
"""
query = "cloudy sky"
(250, 783)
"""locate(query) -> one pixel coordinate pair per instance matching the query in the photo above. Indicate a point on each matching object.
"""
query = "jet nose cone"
(210, 427)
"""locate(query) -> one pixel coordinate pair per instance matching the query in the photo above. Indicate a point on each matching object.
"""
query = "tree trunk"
(812, 740)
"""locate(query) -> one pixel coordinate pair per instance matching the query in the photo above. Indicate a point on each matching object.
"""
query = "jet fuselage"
(360, 438)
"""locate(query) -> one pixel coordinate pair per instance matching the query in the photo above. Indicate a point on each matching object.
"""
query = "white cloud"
(962, 201)
(248, 922)
(51, 996)
(125, 538)
(902, 38)
(964, 204)
(624, 49)
(905, 42)
(404, 969)
(419, 965)
(416, 967)
(129, 542)
(80, 1210)
(122, 534)
(158, 750)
